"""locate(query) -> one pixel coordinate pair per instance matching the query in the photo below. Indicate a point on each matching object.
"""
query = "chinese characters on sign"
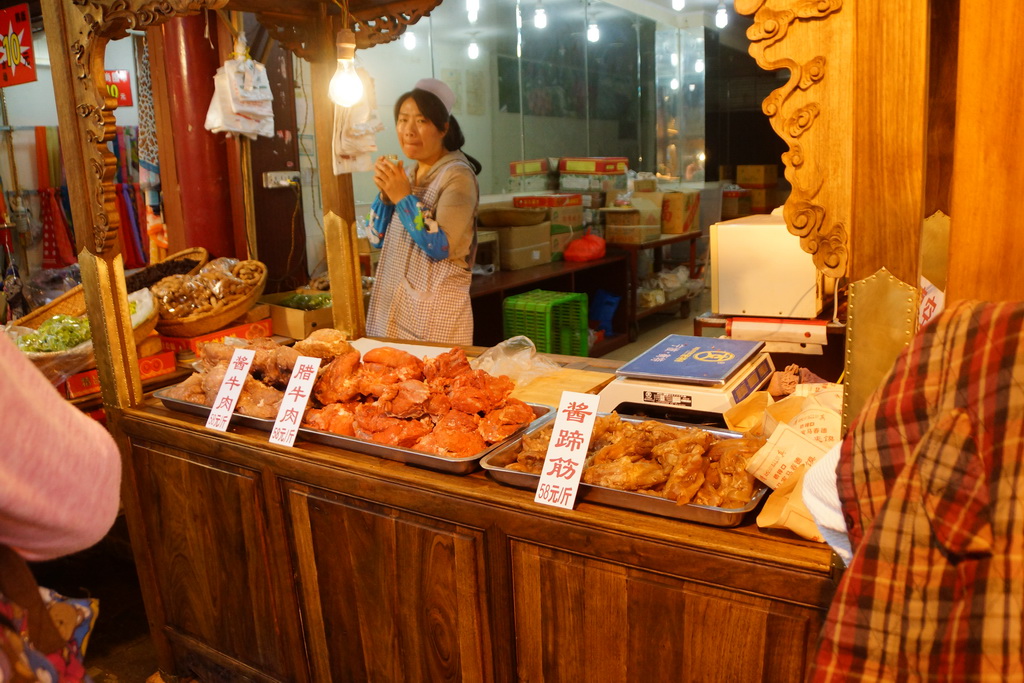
(119, 86)
(293, 405)
(17, 60)
(230, 389)
(563, 464)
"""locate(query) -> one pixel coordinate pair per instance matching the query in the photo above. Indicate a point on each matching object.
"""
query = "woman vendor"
(424, 222)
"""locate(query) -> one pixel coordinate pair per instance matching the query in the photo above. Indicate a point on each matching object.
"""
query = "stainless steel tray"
(542, 414)
(494, 462)
(266, 424)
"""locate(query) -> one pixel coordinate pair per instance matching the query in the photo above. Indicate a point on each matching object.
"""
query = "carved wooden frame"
(793, 111)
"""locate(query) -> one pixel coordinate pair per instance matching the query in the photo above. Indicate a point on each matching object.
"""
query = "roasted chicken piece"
(336, 418)
(326, 343)
(456, 435)
(339, 382)
(626, 475)
(501, 423)
(727, 484)
(373, 424)
(478, 392)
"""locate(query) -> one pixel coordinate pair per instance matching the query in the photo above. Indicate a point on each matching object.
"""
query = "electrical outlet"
(272, 179)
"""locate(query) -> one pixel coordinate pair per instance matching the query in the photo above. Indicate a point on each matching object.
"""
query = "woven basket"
(195, 325)
(72, 302)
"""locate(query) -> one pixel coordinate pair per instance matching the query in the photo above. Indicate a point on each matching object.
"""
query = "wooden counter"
(311, 563)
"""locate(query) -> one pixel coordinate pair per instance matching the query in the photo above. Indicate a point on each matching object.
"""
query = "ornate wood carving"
(793, 110)
(380, 25)
(92, 26)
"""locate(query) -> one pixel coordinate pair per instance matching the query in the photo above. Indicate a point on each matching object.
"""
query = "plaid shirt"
(931, 478)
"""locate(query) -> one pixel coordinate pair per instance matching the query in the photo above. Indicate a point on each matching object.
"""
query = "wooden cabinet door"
(387, 595)
(582, 619)
(206, 533)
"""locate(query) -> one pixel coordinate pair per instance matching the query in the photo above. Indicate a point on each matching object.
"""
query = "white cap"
(439, 90)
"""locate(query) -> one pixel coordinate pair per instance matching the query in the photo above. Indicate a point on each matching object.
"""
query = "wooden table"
(633, 311)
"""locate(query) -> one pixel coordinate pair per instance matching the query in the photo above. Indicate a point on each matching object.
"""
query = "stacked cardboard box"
(532, 175)
(592, 174)
(523, 246)
(564, 212)
(761, 181)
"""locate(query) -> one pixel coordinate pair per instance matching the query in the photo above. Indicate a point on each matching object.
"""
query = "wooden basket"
(195, 325)
(72, 302)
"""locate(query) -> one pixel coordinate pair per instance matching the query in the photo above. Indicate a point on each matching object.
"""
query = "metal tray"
(542, 414)
(493, 463)
(264, 423)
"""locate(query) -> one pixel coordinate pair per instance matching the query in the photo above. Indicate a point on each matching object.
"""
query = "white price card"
(567, 450)
(230, 389)
(293, 405)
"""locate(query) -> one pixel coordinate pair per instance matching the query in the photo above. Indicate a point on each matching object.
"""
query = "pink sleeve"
(60, 470)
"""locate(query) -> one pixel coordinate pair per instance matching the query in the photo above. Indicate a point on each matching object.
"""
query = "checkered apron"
(415, 297)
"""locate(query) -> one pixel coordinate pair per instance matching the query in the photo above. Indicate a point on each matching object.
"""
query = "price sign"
(567, 450)
(230, 389)
(119, 86)
(17, 59)
(293, 405)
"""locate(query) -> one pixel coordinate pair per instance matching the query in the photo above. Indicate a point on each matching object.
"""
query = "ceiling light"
(693, 86)
(540, 17)
(674, 59)
(409, 40)
(472, 10)
(674, 84)
(721, 16)
(678, 5)
(593, 32)
(698, 66)
(346, 88)
(473, 51)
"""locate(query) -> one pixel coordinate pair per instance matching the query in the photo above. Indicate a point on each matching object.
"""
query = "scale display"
(703, 361)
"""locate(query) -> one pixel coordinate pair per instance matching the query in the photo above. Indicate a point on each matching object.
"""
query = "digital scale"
(693, 379)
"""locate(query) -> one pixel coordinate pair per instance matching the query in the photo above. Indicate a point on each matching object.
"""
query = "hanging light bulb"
(540, 17)
(519, 19)
(698, 66)
(473, 50)
(678, 5)
(721, 16)
(674, 84)
(346, 87)
(409, 40)
(472, 10)
(593, 32)
(674, 59)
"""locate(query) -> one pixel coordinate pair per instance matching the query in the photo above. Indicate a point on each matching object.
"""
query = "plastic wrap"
(516, 358)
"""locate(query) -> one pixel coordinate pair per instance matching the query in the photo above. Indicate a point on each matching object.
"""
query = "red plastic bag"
(586, 248)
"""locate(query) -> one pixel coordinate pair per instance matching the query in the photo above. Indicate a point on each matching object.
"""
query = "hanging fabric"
(149, 161)
(131, 247)
(58, 251)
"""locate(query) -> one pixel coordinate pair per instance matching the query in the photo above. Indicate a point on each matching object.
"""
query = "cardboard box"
(566, 216)
(631, 234)
(531, 183)
(592, 182)
(526, 257)
(649, 205)
(185, 346)
(593, 165)
(735, 204)
(548, 200)
(757, 176)
(645, 185)
(680, 213)
(615, 215)
(561, 235)
(487, 249)
(88, 382)
(529, 167)
(295, 322)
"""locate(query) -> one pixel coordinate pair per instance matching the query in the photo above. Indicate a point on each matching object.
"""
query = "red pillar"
(202, 164)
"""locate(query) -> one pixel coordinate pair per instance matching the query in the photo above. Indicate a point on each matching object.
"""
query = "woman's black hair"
(432, 108)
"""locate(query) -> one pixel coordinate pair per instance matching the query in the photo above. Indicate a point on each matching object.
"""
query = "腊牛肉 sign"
(17, 59)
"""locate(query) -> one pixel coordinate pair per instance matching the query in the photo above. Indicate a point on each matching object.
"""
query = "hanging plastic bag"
(355, 130)
(242, 102)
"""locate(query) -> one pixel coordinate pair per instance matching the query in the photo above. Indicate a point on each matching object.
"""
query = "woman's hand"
(391, 180)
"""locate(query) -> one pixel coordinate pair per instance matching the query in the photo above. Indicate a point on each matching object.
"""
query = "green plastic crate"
(555, 321)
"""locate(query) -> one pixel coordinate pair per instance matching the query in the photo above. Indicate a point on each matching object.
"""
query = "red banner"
(17, 59)
(119, 86)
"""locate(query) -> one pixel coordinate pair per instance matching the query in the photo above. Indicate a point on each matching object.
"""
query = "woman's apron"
(415, 297)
